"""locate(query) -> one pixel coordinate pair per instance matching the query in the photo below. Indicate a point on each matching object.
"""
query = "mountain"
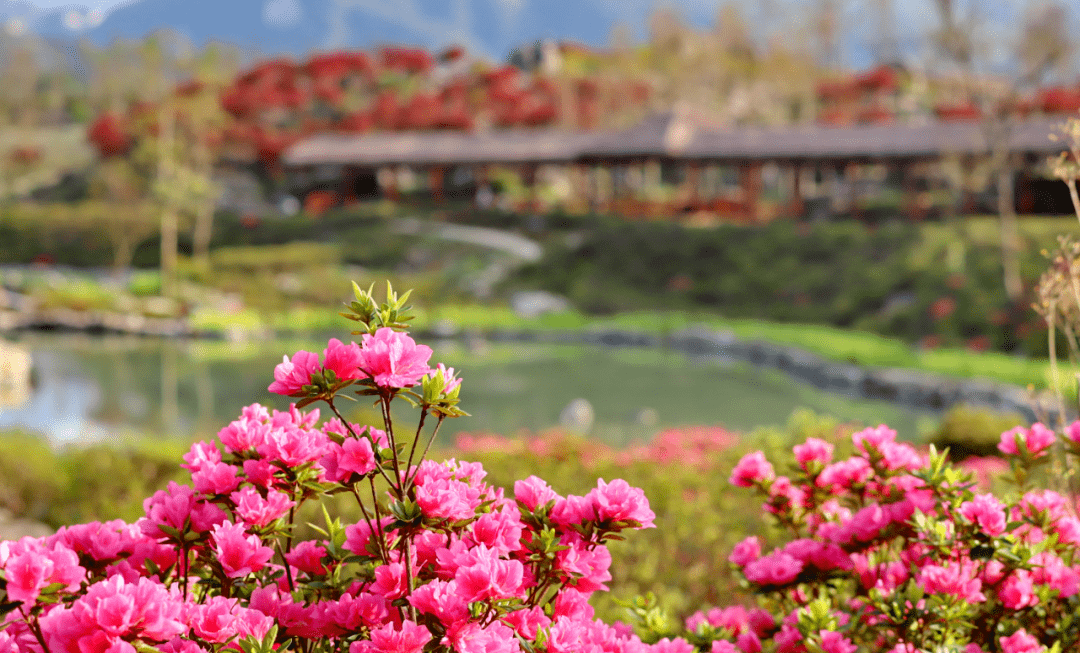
(296, 27)
(487, 27)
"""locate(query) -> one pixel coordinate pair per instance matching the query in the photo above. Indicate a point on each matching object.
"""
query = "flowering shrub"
(440, 561)
(891, 550)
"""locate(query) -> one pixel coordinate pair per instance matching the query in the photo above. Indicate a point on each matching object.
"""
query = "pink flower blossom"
(777, 568)
(35, 567)
(588, 569)
(112, 611)
(618, 501)
(294, 445)
(307, 557)
(490, 578)
(956, 580)
(442, 600)
(1020, 642)
(751, 469)
(746, 551)
(1036, 439)
(834, 642)
(1072, 432)
(528, 622)
(240, 554)
(986, 511)
(533, 493)
(343, 360)
(215, 478)
(673, 645)
(177, 507)
(1018, 591)
(450, 382)
(255, 510)
(873, 438)
(393, 359)
(448, 499)
(290, 376)
(409, 638)
(844, 474)
(813, 450)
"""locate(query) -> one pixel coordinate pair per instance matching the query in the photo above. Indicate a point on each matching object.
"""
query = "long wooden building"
(706, 168)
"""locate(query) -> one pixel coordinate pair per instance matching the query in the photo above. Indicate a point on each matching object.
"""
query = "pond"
(111, 388)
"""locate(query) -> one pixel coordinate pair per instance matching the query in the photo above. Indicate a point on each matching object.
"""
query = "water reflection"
(88, 388)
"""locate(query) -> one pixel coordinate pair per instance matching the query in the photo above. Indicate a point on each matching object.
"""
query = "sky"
(913, 18)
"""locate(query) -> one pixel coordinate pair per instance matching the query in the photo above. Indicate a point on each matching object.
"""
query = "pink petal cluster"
(752, 469)
(1037, 439)
(393, 359)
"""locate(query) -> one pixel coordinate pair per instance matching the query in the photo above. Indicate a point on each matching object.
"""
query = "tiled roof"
(670, 135)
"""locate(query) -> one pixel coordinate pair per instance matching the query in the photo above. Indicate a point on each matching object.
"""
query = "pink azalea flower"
(618, 501)
(986, 511)
(1020, 642)
(215, 478)
(442, 600)
(752, 468)
(409, 638)
(1073, 432)
(240, 554)
(449, 380)
(448, 499)
(527, 622)
(35, 567)
(344, 360)
(588, 568)
(257, 511)
(290, 376)
(956, 579)
(112, 611)
(777, 568)
(1036, 439)
(834, 642)
(393, 359)
(873, 438)
(533, 492)
(307, 557)
(746, 551)
(813, 450)
(490, 578)
(1018, 591)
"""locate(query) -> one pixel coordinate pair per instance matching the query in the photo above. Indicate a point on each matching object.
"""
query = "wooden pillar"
(580, 187)
(852, 196)
(436, 176)
(388, 179)
(528, 177)
(797, 205)
(693, 181)
(1025, 198)
(911, 197)
(347, 187)
(750, 182)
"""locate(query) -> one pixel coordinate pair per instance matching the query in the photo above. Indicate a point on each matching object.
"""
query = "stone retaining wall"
(909, 388)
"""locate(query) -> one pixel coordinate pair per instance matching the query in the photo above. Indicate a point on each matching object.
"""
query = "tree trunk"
(204, 215)
(169, 218)
(1010, 233)
(123, 251)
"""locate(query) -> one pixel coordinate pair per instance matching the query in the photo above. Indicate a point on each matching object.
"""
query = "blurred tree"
(20, 72)
(994, 89)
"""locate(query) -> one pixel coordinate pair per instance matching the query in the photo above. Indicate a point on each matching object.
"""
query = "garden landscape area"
(720, 333)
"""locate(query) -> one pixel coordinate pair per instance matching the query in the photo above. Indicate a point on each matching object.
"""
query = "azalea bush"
(894, 550)
(440, 560)
(683, 561)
